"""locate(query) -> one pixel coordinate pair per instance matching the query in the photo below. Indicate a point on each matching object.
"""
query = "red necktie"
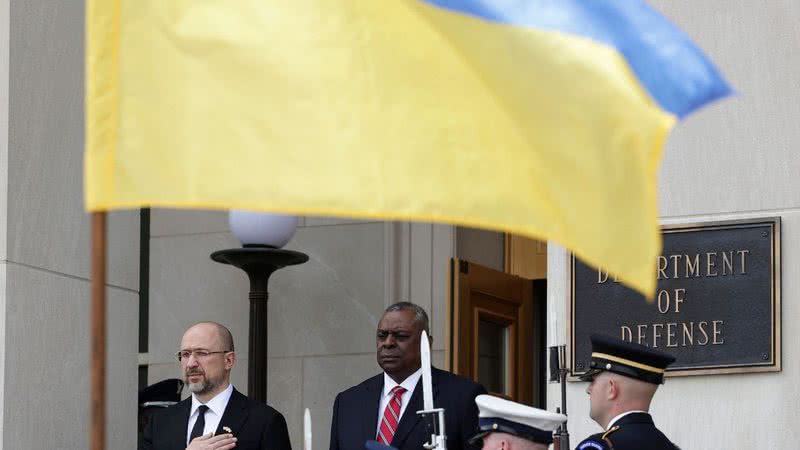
(391, 416)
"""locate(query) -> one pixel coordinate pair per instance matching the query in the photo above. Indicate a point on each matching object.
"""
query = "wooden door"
(491, 329)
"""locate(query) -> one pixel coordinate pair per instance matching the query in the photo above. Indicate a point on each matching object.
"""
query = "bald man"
(623, 379)
(216, 416)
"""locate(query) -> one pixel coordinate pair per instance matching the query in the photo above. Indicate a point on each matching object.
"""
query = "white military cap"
(504, 416)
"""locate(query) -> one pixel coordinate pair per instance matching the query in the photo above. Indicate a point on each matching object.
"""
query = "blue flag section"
(675, 73)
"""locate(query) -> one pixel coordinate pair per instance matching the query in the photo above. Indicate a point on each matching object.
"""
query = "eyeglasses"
(198, 354)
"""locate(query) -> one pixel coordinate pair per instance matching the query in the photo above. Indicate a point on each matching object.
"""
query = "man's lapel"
(411, 419)
(179, 421)
(370, 414)
(235, 414)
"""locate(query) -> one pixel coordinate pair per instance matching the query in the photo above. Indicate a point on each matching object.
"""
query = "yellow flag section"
(391, 109)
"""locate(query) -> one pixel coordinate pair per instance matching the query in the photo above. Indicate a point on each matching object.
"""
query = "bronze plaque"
(717, 305)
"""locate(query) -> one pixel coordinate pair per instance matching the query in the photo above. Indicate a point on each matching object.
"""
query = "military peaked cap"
(626, 358)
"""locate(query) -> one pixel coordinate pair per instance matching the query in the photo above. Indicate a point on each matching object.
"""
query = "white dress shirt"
(388, 384)
(620, 416)
(216, 406)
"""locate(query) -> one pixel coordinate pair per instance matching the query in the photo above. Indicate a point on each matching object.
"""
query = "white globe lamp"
(256, 229)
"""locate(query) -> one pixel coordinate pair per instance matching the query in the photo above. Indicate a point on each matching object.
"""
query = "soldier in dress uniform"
(156, 397)
(506, 425)
(624, 377)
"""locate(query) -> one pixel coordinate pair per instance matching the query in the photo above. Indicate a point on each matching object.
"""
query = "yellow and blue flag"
(545, 118)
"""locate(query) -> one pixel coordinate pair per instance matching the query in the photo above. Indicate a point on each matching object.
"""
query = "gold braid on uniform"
(607, 440)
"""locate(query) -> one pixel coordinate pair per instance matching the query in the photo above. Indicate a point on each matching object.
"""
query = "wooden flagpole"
(98, 330)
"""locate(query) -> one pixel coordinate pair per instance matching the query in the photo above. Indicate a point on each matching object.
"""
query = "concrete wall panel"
(47, 369)
(47, 226)
(187, 287)
(331, 304)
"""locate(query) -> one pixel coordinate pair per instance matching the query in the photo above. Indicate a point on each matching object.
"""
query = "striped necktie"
(391, 416)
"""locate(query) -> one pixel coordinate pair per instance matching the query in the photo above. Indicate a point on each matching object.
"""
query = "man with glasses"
(216, 416)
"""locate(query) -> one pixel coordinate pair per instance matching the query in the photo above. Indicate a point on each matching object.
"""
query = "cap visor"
(589, 376)
(474, 439)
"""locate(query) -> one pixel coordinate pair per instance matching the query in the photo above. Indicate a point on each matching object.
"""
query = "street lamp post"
(261, 235)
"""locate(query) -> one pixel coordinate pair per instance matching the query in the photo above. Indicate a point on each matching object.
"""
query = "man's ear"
(613, 389)
(230, 360)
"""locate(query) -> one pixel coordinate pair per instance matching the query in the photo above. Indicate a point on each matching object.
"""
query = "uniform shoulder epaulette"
(596, 442)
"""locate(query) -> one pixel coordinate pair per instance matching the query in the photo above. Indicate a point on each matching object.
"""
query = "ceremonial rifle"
(438, 436)
(558, 373)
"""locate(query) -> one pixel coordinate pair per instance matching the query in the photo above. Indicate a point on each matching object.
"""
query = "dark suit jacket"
(633, 432)
(255, 425)
(355, 413)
